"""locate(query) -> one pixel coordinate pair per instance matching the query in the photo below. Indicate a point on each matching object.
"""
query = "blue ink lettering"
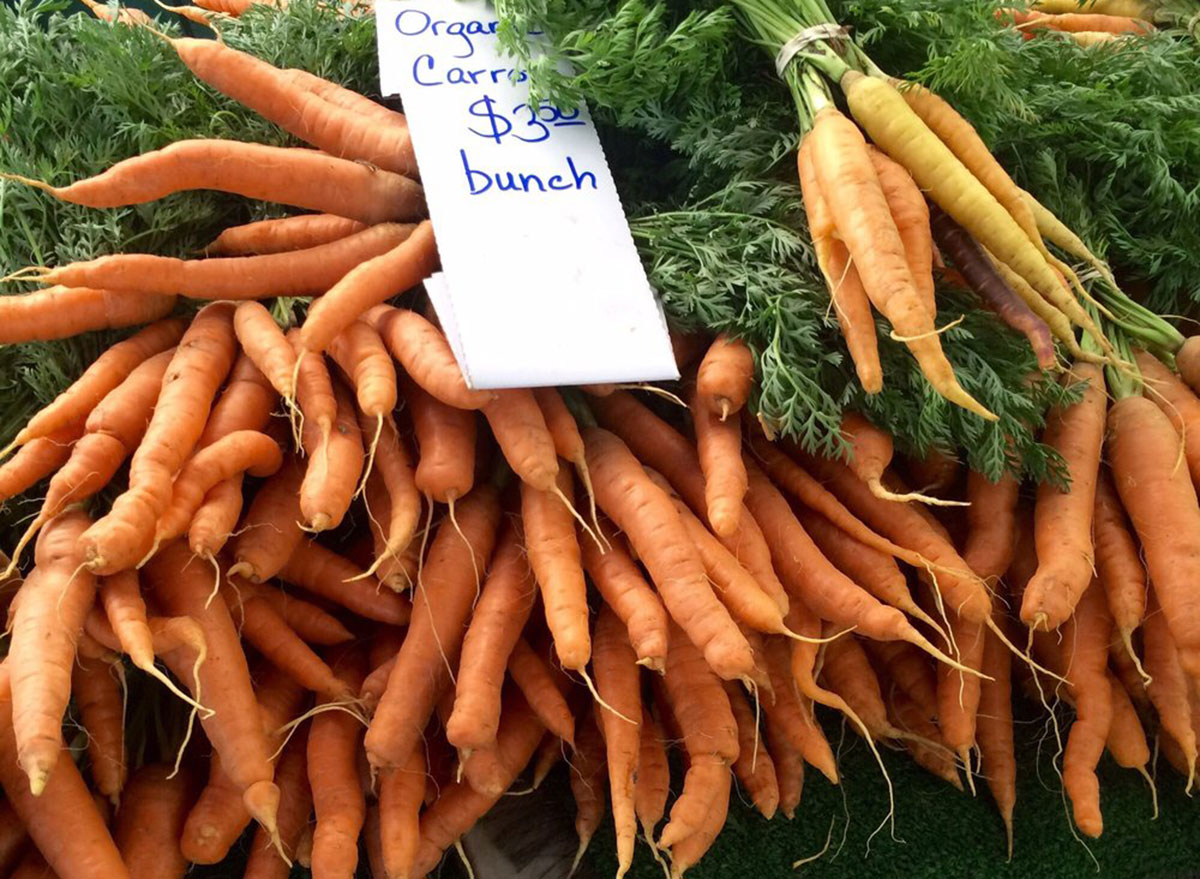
(480, 182)
(473, 176)
(527, 178)
(428, 62)
(580, 178)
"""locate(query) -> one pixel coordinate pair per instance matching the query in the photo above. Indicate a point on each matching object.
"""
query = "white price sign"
(541, 282)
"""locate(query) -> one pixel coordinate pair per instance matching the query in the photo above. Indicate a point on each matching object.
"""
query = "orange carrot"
(754, 768)
(689, 851)
(271, 530)
(959, 693)
(446, 441)
(108, 371)
(911, 215)
(587, 783)
(368, 284)
(203, 359)
(789, 768)
(1168, 687)
(924, 744)
(1074, 22)
(87, 851)
(719, 446)
(150, 821)
(308, 272)
(1177, 400)
(324, 573)
(907, 668)
(334, 743)
(1144, 452)
(1085, 651)
(397, 479)
(994, 730)
(793, 713)
(505, 602)
(400, 793)
(283, 235)
(846, 291)
(264, 629)
(335, 464)
(214, 521)
(991, 525)
(101, 707)
(536, 680)
(266, 346)
(617, 681)
(871, 569)
(182, 585)
(1118, 562)
(1063, 519)
(271, 853)
(51, 608)
(725, 377)
(653, 781)
(62, 312)
(521, 432)
(36, 460)
(625, 590)
(847, 672)
(317, 112)
(1126, 738)
(421, 348)
(309, 621)
(313, 387)
(647, 515)
(445, 594)
(554, 555)
(811, 577)
(297, 177)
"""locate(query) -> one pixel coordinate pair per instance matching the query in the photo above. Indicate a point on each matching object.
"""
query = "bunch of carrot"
(1086, 22)
(903, 183)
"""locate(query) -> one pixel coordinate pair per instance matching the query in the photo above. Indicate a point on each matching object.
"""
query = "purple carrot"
(975, 266)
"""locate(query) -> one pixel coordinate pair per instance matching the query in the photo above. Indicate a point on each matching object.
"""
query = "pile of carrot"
(1086, 22)
(389, 598)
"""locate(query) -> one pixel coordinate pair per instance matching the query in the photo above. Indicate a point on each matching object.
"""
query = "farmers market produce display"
(282, 582)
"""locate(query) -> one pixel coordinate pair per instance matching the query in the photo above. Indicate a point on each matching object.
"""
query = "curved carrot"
(297, 177)
(524, 440)
(1118, 562)
(1177, 400)
(554, 555)
(283, 235)
(614, 666)
(446, 442)
(994, 730)
(36, 460)
(87, 850)
(421, 348)
(653, 776)
(624, 589)
(270, 530)
(101, 708)
(689, 851)
(719, 447)
(444, 596)
(371, 282)
(849, 298)
(335, 464)
(536, 681)
(271, 852)
(505, 601)
(313, 387)
(308, 272)
(311, 109)
(1169, 682)
(50, 611)
(265, 345)
(911, 214)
